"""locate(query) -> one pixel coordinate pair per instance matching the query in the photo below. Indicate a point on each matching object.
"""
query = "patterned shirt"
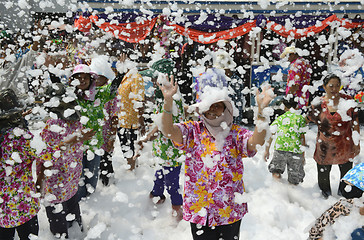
(93, 108)
(214, 180)
(131, 94)
(162, 146)
(63, 183)
(290, 127)
(334, 142)
(18, 199)
(299, 73)
(111, 110)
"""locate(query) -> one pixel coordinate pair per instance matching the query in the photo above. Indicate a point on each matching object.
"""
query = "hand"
(122, 58)
(265, 97)
(110, 145)
(27, 112)
(169, 88)
(87, 134)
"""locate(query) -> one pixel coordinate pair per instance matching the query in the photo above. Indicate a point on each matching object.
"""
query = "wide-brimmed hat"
(101, 66)
(288, 50)
(355, 176)
(82, 68)
(163, 66)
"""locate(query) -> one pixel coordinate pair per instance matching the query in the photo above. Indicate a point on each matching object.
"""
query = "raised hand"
(265, 96)
(168, 88)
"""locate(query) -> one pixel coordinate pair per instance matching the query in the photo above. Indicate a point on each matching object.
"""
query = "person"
(60, 188)
(353, 201)
(131, 120)
(299, 76)
(101, 66)
(288, 148)
(338, 132)
(92, 100)
(169, 158)
(214, 149)
(19, 203)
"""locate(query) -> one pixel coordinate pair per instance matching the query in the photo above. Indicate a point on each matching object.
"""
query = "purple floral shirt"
(67, 169)
(214, 180)
(111, 110)
(19, 201)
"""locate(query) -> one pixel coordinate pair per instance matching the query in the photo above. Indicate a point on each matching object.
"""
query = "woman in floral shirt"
(215, 148)
(61, 187)
(19, 202)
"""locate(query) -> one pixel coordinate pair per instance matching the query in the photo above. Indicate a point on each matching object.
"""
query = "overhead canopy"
(210, 28)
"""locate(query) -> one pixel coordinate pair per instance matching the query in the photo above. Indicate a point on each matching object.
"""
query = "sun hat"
(81, 68)
(355, 176)
(288, 50)
(101, 66)
(164, 65)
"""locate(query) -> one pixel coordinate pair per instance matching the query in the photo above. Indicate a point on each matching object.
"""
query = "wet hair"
(290, 102)
(329, 77)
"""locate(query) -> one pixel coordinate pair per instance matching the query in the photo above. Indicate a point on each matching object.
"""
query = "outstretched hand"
(265, 96)
(168, 88)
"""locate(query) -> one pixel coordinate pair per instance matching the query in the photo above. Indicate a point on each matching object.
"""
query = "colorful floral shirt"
(93, 108)
(290, 127)
(131, 95)
(162, 146)
(299, 73)
(214, 180)
(334, 142)
(66, 171)
(19, 201)
(111, 110)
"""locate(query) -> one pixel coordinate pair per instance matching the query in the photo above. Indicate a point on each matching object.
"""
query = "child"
(19, 202)
(169, 157)
(215, 148)
(61, 187)
(290, 137)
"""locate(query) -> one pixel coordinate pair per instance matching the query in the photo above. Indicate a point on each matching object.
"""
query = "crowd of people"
(87, 92)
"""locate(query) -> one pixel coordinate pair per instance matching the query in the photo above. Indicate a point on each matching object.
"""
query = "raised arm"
(262, 124)
(168, 129)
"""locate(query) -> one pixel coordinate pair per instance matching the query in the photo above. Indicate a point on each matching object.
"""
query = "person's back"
(289, 130)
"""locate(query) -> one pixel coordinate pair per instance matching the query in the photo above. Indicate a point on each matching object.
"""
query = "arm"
(258, 137)
(266, 155)
(168, 129)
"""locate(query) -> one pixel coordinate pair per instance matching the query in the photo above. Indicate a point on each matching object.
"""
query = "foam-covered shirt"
(290, 127)
(66, 171)
(214, 179)
(19, 201)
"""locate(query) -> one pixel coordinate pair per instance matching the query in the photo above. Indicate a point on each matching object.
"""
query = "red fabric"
(83, 24)
(299, 33)
(206, 38)
(130, 32)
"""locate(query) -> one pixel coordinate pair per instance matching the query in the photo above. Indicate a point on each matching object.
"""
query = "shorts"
(294, 162)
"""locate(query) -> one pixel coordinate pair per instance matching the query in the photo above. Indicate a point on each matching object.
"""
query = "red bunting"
(309, 31)
(132, 32)
(206, 38)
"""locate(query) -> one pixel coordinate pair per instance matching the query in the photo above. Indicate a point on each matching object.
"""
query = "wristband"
(169, 112)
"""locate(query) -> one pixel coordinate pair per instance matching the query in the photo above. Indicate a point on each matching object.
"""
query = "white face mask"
(220, 127)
